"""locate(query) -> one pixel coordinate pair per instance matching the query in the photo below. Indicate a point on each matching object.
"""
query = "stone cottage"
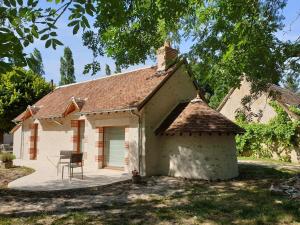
(143, 119)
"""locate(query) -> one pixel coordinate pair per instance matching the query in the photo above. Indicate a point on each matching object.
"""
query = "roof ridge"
(105, 77)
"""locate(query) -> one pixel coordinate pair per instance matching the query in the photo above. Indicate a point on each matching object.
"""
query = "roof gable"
(284, 96)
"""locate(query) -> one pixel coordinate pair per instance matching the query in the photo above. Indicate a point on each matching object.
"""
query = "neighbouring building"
(6, 138)
(148, 120)
(259, 108)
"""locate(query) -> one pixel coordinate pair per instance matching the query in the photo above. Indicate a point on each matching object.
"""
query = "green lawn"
(244, 200)
(266, 160)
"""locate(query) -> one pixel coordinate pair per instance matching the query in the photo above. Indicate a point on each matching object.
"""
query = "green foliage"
(7, 157)
(118, 69)
(295, 110)
(229, 37)
(38, 66)
(261, 140)
(18, 89)
(107, 70)
(67, 68)
(292, 83)
(23, 22)
(292, 69)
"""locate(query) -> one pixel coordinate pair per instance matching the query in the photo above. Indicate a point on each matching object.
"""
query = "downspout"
(22, 142)
(139, 139)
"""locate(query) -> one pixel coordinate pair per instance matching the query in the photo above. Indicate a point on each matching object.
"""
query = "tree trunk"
(1, 137)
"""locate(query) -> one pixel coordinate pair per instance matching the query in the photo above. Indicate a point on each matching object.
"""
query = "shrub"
(279, 135)
(7, 157)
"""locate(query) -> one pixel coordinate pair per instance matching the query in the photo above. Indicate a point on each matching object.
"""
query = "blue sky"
(82, 55)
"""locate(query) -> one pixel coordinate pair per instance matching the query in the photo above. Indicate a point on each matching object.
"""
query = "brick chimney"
(166, 55)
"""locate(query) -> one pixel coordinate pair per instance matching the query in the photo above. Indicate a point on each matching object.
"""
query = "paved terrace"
(45, 177)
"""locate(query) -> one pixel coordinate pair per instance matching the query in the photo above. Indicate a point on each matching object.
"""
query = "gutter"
(106, 111)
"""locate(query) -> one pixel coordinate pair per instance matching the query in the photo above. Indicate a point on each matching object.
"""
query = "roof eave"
(172, 133)
(225, 99)
(92, 112)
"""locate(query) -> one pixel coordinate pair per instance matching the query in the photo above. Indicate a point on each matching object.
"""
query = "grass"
(267, 160)
(244, 200)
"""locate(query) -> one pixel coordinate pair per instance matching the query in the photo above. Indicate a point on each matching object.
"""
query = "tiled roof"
(196, 117)
(116, 92)
(284, 95)
(280, 94)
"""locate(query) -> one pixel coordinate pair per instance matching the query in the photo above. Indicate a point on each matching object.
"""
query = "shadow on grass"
(244, 200)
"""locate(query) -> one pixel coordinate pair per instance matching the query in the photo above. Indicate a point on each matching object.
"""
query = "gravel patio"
(45, 178)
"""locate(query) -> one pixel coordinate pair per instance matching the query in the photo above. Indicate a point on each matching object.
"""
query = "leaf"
(48, 43)
(20, 32)
(73, 23)
(53, 44)
(75, 29)
(44, 37)
(7, 3)
(89, 9)
(43, 30)
(53, 34)
(34, 4)
(26, 30)
(29, 2)
(57, 42)
(85, 21)
(30, 38)
(13, 3)
(34, 32)
(20, 2)
(26, 43)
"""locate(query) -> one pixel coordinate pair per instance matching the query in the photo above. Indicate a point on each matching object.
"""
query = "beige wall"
(234, 103)
(198, 157)
(177, 89)
(53, 137)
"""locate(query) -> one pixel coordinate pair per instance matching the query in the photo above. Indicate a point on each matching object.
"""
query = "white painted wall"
(198, 157)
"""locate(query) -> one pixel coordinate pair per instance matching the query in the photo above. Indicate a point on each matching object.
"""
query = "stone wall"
(208, 157)
(261, 103)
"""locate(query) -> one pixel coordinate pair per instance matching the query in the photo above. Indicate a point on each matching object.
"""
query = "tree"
(18, 89)
(118, 69)
(37, 67)
(67, 68)
(291, 72)
(291, 83)
(230, 38)
(107, 70)
(22, 23)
